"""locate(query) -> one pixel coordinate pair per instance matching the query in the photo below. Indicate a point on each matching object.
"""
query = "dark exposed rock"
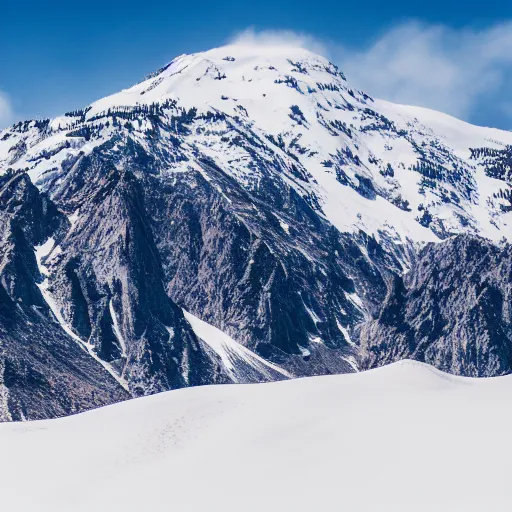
(43, 372)
(452, 310)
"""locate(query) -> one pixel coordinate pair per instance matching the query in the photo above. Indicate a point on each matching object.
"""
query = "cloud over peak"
(288, 38)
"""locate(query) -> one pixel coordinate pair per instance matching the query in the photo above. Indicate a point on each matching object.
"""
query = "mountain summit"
(242, 215)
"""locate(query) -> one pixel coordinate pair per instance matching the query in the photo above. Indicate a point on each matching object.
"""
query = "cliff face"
(452, 310)
(43, 372)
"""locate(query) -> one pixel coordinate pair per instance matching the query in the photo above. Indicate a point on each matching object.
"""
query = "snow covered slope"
(354, 156)
(401, 438)
(241, 364)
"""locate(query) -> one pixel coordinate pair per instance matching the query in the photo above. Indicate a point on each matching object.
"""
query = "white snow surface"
(231, 352)
(400, 438)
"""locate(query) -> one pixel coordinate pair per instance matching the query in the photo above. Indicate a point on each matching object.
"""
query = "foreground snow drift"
(404, 437)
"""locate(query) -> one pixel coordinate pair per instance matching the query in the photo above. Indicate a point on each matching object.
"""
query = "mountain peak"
(264, 196)
(228, 72)
(420, 164)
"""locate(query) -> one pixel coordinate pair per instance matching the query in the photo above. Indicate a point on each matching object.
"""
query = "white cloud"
(251, 37)
(452, 70)
(6, 112)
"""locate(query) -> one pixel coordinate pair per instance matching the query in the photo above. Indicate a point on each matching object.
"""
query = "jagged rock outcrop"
(452, 310)
(107, 273)
(43, 372)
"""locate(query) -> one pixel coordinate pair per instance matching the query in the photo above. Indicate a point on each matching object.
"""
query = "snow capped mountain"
(242, 214)
(301, 107)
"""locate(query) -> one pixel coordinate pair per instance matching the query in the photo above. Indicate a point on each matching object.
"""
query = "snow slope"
(233, 355)
(297, 106)
(404, 437)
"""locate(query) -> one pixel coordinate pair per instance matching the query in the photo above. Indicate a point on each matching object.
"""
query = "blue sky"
(57, 56)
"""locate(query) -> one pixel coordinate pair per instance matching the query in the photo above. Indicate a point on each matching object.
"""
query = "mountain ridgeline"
(244, 215)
